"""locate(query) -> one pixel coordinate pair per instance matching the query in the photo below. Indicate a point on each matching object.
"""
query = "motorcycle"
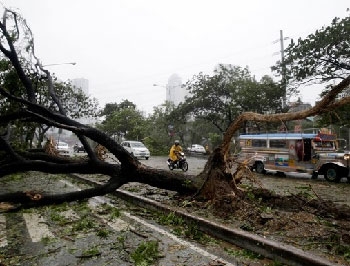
(179, 164)
(78, 148)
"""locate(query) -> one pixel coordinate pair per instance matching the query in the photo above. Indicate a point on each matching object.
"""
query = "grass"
(181, 228)
(146, 253)
(91, 252)
(47, 240)
(84, 225)
(102, 233)
(111, 211)
(58, 218)
(170, 219)
(243, 253)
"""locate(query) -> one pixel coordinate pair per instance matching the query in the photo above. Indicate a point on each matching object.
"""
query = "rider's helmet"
(176, 142)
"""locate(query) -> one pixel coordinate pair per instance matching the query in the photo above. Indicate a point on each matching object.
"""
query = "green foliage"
(23, 133)
(47, 240)
(215, 139)
(112, 212)
(58, 218)
(338, 117)
(83, 224)
(192, 232)
(110, 108)
(91, 252)
(124, 121)
(163, 127)
(146, 253)
(170, 219)
(220, 98)
(102, 233)
(320, 57)
(243, 253)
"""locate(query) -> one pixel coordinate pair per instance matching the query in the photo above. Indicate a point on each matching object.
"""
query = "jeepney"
(316, 154)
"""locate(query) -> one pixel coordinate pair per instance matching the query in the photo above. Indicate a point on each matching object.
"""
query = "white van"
(136, 148)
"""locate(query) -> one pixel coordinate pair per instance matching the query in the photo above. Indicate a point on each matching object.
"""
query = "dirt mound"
(310, 223)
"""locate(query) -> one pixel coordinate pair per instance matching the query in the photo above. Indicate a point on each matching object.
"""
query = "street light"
(70, 63)
(157, 85)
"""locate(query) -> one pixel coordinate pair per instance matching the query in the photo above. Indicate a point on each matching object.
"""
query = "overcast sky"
(123, 47)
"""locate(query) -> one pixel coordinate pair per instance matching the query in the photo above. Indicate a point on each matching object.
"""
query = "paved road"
(195, 163)
(62, 232)
(88, 234)
(290, 184)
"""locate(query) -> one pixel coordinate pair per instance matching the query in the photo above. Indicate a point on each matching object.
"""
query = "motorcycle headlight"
(346, 156)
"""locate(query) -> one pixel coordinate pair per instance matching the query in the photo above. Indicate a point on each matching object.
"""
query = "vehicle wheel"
(259, 168)
(314, 175)
(147, 158)
(171, 167)
(184, 166)
(331, 174)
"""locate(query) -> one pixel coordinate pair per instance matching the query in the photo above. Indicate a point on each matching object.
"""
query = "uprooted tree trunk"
(214, 183)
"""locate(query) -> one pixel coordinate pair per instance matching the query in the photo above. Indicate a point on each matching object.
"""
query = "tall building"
(175, 92)
(82, 84)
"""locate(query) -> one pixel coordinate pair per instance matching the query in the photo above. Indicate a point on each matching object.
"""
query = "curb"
(268, 248)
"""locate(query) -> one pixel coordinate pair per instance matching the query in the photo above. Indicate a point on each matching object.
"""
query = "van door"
(307, 150)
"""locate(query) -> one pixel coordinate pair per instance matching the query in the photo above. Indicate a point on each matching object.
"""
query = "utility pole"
(284, 78)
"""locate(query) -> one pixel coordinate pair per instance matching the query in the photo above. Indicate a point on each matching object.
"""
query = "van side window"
(258, 143)
(278, 143)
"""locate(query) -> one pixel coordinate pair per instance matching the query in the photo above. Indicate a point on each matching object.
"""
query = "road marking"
(99, 199)
(36, 227)
(180, 241)
(117, 224)
(3, 239)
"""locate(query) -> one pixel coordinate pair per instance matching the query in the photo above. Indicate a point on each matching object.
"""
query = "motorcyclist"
(174, 150)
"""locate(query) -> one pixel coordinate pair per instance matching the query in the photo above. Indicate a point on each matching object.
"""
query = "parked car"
(62, 147)
(197, 149)
(136, 148)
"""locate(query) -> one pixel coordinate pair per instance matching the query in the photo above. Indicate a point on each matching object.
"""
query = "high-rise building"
(82, 84)
(175, 92)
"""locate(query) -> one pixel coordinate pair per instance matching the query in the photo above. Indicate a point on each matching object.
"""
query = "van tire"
(331, 174)
(259, 168)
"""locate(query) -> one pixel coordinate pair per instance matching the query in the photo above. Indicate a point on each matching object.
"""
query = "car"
(197, 149)
(136, 148)
(62, 147)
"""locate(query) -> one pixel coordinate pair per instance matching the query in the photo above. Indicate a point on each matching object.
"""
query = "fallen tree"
(214, 183)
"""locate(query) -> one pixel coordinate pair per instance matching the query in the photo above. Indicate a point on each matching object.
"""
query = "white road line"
(36, 227)
(117, 224)
(160, 230)
(175, 238)
(3, 239)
